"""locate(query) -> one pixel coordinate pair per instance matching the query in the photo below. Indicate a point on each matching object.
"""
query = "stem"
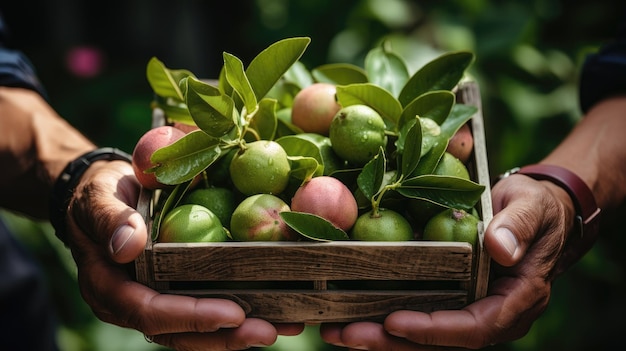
(391, 133)
(205, 179)
(376, 203)
(239, 143)
(253, 132)
(246, 118)
(377, 198)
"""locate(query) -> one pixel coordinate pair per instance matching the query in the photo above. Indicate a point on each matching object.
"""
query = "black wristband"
(65, 185)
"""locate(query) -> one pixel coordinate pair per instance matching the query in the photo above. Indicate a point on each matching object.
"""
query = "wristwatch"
(587, 211)
(65, 185)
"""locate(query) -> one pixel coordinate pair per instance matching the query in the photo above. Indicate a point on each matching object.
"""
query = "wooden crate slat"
(313, 261)
(471, 96)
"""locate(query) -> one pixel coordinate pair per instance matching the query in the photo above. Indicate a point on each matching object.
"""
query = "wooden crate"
(339, 281)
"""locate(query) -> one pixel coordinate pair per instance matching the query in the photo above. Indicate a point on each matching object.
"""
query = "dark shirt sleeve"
(16, 70)
(604, 72)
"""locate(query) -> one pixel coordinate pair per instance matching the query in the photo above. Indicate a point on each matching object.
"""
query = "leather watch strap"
(587, 211)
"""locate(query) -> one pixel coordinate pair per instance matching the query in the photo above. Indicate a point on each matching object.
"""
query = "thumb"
(103, 208)
(519, 207)
(129, 239)
(501, 239)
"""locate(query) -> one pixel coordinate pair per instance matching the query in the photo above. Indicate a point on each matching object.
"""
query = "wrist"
(68, 180)
(567, 205)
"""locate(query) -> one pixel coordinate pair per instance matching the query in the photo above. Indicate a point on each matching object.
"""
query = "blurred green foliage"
(528, 57)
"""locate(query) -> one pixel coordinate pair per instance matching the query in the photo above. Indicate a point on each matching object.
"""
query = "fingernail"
(258, 345)
(121, 237)
(507, 239)
(396, 333)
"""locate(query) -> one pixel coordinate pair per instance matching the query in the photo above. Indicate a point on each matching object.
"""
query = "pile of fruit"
(275, 151)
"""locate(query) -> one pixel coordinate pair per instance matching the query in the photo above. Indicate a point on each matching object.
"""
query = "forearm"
(596, 151)
(35, 146)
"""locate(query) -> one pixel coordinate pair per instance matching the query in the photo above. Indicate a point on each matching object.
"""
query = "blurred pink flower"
(85, 61)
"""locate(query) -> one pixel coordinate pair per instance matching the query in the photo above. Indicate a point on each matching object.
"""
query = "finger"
(116, 298)
(505, 314)
(103, 207)
(372, 336)
(331, 333)
(289, 329)
(251, 333)
(521, 206)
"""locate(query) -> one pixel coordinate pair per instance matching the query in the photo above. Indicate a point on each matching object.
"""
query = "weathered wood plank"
(470, 95)
(313, 261)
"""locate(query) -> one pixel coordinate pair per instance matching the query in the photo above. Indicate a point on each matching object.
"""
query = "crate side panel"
(470, 95)
(310, 261)
(143, 267)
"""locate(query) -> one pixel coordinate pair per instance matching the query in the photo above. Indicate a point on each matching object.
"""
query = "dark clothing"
(604, 73)
(15, 68)
(27, 319)
(16, 71)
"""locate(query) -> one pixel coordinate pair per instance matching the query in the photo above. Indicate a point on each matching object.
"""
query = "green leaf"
(431, 134)
(386, 69)
(371, 177)
(404, 130)
(312, 226)
(237, 78)
(272, 63)
(303, 168)
(446, 191)
(295, 145)
(442, 73)
(298, 75)
(211, 111)
(180, 74)
(264, 120)
(412, 150)
(339, 74)
(164, 82)
(373, 96)
(173, 112)
(458, 116)
(283, 92)
(173, 199)
(200, 87)
(330, 162)
(435, 105)
(284, 126)
(186, 158)
(429, 160)
(223, 85)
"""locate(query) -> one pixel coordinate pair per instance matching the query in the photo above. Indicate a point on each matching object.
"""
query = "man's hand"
(106, 232)
(525, 239)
